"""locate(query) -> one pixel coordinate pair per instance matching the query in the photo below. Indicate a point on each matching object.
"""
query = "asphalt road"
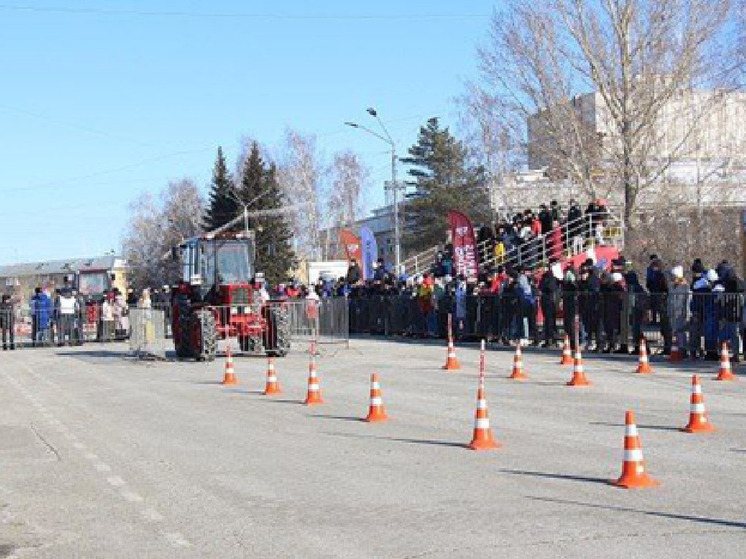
(102, 456)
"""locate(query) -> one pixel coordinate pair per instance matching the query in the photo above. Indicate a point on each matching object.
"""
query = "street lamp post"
(394, 184)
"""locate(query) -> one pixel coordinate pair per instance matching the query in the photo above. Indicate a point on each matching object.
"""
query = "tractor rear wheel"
(204, 335)
(277, 336)
(182, 341)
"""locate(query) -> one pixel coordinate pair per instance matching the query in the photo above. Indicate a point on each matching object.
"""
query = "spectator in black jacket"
(7, 322)
(549, 288)
(658, 289)
(353, 273)
(612, 291)
(589, 306)
(569, 304)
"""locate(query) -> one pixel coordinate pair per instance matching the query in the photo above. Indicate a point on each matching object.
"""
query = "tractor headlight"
(234, 310)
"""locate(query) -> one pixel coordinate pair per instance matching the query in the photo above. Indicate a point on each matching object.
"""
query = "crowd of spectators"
(61, 317)
(606, 311)
(528, 237)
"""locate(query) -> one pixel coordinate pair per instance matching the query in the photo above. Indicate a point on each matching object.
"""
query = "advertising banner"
(370, 252)
(464, 245)
(352, 245)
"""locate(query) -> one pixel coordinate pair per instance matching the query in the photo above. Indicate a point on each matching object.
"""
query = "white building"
(700, 133)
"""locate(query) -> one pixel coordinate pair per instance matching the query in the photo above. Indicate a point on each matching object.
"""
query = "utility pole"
(394, 184)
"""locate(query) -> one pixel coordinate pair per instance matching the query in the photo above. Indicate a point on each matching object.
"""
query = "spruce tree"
(261, 190)
(442, 181)
(222, 204)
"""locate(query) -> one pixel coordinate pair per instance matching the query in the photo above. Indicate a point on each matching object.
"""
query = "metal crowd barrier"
(147, 335)
(693, 321)
(54, 328)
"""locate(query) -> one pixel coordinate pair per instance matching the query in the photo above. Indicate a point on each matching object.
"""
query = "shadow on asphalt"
(639, 426)
(98, 353)
(689, 518)
(340, 417)
(423, 441)
(548, 475)
(395, 439)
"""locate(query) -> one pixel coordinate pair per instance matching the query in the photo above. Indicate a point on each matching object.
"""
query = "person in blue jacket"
(41, 317)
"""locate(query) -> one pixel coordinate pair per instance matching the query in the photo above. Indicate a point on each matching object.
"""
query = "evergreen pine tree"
(222, 205)
(260, 188)
(442, 181)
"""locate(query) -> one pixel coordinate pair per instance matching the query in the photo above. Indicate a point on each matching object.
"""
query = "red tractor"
(215, 300)
(90, 285)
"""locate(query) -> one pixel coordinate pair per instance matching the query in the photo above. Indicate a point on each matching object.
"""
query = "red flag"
(464, 245)
(352, 245)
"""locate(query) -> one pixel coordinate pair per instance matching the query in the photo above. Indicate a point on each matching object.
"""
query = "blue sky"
(101, 101)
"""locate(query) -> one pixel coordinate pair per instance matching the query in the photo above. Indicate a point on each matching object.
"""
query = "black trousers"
(8, 335)
(549, 309)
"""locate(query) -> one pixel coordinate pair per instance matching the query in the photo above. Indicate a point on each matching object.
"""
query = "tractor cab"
(218, 269)
(91, 286)
(215, 301)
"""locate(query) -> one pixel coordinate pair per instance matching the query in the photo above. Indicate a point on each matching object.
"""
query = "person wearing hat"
(710, 326)
(701, 299)
(589, 302)
(354, 274)
(658, 289)
(612, 291)
(574, 220)
(569, 303)
(549, 289)
(678, 307)
(638, 304)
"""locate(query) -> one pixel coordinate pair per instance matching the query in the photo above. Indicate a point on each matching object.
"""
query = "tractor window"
(233, 264)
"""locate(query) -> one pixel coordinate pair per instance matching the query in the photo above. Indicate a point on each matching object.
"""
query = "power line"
(243, 15)
(56, 183)
(75, 126)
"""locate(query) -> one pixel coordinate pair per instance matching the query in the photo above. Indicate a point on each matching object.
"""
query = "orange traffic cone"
(578, 374)
(698, 422)
(675, 356)
(725, 372)
(229, 377)
(482, 438)
(566, 352)
(643, 365)
(314, 392)
(376, 411)
(518, 365)
(452, 363)
(272, 386)
(633, 466)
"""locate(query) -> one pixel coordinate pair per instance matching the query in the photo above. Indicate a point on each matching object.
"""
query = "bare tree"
(348, 179)
(156, 225)
(343, 201)
(494, 137)
(300, 173)
(638, 58)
